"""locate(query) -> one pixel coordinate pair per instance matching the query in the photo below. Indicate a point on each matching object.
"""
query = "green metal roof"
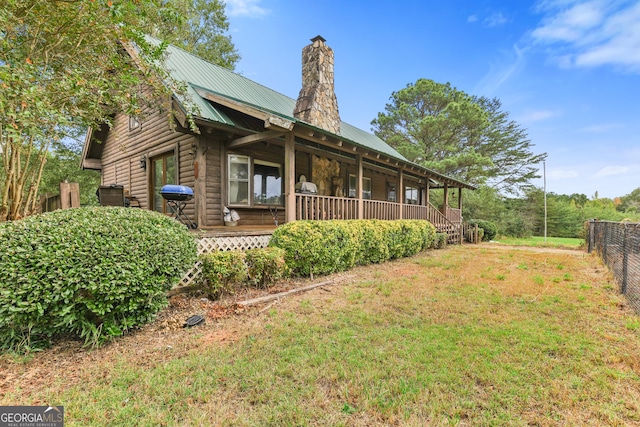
(198, 73)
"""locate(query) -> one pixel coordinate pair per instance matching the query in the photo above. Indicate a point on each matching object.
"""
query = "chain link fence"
(618, 244)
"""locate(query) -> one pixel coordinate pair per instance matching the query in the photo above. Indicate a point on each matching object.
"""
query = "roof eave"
(289, 122)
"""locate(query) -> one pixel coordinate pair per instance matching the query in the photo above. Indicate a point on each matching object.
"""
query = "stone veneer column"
(317, 103)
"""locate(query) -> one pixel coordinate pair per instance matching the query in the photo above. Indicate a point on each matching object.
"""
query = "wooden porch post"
(460, 198)
(359, 186)
(445, 203)
(200, 175)
(428, 191)
(289, 177)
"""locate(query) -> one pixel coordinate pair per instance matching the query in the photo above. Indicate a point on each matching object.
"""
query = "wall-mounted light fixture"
(143, 161)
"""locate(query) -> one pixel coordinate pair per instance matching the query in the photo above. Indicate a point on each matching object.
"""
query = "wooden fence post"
(69, 195)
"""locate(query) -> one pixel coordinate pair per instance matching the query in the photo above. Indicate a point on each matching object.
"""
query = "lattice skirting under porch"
(211, 244)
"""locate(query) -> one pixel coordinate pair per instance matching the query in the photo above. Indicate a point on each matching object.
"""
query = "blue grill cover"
(176, 192)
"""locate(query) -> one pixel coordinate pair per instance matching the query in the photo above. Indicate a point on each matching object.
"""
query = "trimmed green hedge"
(224, 272)
(490, 229)
(265, 266)
(440, 241)
(92, 273)
(322, 247)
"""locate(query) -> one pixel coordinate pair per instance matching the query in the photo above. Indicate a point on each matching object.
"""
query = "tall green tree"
(485, 203)
(62, 164)
(70, 64)
(471, 138)
(630, 202)
(200, 28)
(513, 163)
(63, 64)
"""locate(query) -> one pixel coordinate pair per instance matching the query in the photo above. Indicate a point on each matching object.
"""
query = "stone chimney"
(317, 103)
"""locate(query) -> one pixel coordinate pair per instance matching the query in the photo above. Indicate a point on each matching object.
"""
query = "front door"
(163, 172)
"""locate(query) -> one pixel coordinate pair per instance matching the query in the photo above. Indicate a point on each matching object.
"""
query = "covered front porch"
(315, 207)
(267, 175)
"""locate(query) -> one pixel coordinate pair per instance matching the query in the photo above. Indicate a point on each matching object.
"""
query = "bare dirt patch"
(534, 248)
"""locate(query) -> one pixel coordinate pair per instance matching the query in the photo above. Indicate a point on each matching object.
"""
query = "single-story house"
(263, 154)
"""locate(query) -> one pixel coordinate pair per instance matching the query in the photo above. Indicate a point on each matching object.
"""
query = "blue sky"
(566, 70)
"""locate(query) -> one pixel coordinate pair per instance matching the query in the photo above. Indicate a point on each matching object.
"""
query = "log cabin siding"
(212, 147)
(378, 185)
(260, 216)
(186, 155)
(139, 183)
(123, 149)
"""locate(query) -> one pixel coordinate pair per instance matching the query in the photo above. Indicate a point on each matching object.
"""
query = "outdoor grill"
(177, 197)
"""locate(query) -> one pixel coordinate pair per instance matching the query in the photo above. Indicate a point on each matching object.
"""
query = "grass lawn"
(551, 242)
(473, 335)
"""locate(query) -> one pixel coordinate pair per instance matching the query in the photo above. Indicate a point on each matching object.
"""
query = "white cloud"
(472, 18)
(248, 8)
(499, 74)
(611, 170)
(622, 42)
(537, 116)
(590, 33)
(495, 19)
(562, 174)
(569, 25)
(600, 128)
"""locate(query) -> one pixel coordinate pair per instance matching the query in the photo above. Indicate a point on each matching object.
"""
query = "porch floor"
(238, 230)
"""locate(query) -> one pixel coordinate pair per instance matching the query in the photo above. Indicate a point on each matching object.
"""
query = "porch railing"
(378, 209)
(454, 215)
(310, 206)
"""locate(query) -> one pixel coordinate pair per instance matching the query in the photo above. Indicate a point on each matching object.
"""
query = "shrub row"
(91, 273)
(322, 247)
(440, 240)
(489, 229)
(225, 271)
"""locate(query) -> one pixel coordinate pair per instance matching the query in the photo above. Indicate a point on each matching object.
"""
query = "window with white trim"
(352, 186)
(391, 192)
(134, 124)
(267, 183)
(239, 180)
(366, 187)
(253, 181)
(411, 195)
